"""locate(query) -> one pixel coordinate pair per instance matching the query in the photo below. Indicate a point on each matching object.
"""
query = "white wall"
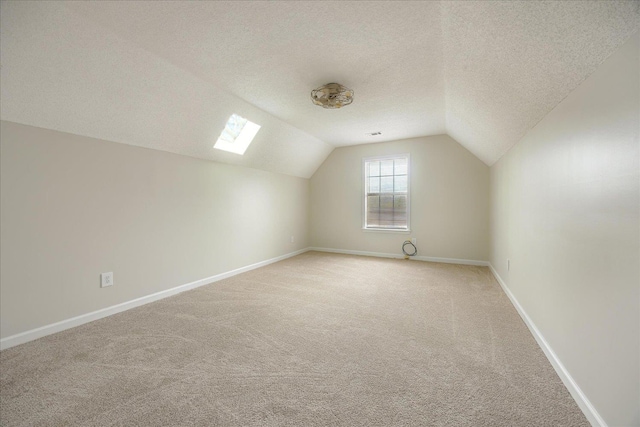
(73, 207)
(449, 200)
(565, 211)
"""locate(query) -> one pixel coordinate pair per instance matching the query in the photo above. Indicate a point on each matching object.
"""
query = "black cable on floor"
(415, 250)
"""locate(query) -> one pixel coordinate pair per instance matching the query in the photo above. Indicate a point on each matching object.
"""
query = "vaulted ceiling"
(167, 75)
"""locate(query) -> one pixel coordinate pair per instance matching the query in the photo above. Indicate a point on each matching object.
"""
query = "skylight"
(237, 135)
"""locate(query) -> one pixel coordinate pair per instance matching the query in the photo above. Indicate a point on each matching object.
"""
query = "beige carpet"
(316, 340)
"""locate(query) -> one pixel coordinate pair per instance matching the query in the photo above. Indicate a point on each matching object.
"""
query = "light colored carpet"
(315, 340)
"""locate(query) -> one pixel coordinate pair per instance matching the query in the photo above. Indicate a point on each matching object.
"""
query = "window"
(386, 193)
(237, 135)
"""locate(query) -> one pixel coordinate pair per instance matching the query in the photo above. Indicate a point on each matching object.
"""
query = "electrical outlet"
(292, 239)
(106, 279)
(508, 264)
(414, 240)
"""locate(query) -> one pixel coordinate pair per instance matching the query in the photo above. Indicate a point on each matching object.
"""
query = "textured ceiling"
(167, 75)
(508, 64)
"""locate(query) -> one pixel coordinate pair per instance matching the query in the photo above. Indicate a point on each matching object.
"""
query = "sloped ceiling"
(167, 75)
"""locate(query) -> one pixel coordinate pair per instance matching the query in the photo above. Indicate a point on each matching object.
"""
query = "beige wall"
(449, 200)
(73, 207)
(565, 211)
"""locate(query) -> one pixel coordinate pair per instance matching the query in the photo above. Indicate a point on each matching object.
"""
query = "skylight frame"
(238, 144)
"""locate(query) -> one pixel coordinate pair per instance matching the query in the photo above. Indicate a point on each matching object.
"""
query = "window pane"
(373, 207)
(386, 184)
(400, 184)
(400, 203)
(400, 220)
(386, 167)
(386, 203)
(374, 185)
(374, 168)
(373, 203)
(399, 211)
(373, 219)
(400, 166)
(233, 128)
(386, 210)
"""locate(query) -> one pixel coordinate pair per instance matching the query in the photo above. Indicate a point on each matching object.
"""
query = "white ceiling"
(167, 75)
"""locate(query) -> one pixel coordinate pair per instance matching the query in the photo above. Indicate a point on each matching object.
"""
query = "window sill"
(386, 230)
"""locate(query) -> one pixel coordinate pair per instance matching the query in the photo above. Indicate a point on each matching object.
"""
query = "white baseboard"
(400, 256)
(585, 405)
(43, 331)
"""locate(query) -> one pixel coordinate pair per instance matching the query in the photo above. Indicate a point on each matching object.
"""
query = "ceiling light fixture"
(332, 96)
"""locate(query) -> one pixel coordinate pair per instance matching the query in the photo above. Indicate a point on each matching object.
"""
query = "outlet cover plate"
(106, 279)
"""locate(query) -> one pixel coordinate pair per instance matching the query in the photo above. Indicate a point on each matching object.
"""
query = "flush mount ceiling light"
(332, 96)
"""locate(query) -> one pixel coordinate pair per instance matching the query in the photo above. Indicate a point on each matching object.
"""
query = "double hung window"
(386, 193)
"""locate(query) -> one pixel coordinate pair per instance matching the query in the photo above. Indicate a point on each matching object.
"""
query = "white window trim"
(363, 196)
